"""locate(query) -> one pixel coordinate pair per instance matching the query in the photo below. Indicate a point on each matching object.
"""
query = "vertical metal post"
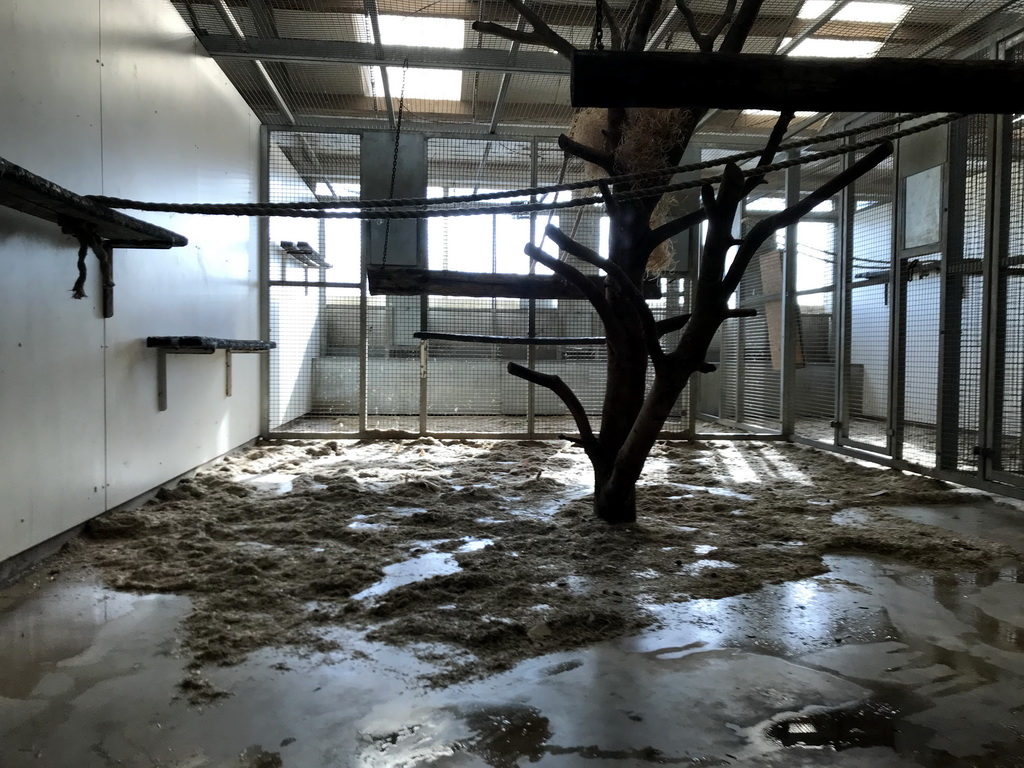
(951, 295)
(842, 305)
(994, 318)
(363, 331)
(790, 332)
(897, 321)
(424, 362)
(263, 257)
(531, 350)
(323, 322)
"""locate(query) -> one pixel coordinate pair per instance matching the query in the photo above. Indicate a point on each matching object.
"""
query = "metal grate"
(1008, 455)
(314, 63)
(315, 311)
(869, 275)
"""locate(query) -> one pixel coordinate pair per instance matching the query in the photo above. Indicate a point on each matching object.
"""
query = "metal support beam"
(239, 38)
(506, 79)
(347, 52)
(790, 332)
(378, 48)
(821, 21)
(670, 21)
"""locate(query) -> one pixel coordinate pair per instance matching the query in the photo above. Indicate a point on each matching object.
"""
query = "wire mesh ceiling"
(348, 63)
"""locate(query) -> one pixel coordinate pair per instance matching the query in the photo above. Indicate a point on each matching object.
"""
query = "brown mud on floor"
(478, 554)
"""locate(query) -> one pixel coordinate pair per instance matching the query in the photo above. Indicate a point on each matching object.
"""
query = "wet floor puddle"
(862, 724)
(422, 567)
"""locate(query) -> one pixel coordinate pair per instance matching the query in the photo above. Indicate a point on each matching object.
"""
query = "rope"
(392, 209)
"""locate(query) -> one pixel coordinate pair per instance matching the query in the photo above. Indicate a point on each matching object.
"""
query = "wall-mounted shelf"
(24, 191)
(304, 253)
(198, 345)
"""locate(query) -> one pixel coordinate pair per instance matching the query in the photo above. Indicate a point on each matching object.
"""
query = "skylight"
(877, 13)
(832, 48)
(773, 113)
(429, 32)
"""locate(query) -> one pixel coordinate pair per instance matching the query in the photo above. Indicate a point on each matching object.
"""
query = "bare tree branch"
(704, 42)
(601, 159)
(613, 326)
(555, 43)
(636, 34)
(631, 292)
(741, 26)
(721, 217)
(770, 224)
(613, 26)
(674, 227)
(542, 34)
(670, 324)
(555, 383)
(723, 21)
(771, 148)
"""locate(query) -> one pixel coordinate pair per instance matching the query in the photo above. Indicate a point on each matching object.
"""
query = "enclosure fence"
(889, 321)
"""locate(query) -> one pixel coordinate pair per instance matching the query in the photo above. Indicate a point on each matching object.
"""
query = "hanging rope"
(394, 161)
(382, 209)
(88, 239)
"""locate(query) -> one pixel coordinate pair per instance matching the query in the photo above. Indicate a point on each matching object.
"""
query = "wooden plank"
(760, 81)
(540, 341)
(771, 284)
(207, 344)
(411, 281)
(24, 191)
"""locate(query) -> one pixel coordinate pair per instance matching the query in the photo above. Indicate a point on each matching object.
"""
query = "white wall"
(115, 97)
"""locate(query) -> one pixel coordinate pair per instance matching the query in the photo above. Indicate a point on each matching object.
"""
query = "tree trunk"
(614, 502)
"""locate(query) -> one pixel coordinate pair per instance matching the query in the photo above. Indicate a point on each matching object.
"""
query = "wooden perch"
(761, 81)
(539, 341)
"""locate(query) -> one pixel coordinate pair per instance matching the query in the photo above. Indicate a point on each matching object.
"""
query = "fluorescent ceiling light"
(877, 13)
(832, 48)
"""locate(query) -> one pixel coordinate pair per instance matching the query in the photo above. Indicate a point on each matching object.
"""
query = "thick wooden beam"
(410, 281)
(758, 81)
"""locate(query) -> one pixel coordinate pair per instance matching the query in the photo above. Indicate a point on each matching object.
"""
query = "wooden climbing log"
(411, 281)
(759, 81)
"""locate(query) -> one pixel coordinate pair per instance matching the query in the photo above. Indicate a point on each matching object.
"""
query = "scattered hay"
(527, 568)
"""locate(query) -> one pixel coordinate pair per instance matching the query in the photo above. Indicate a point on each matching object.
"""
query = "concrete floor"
(877, 664)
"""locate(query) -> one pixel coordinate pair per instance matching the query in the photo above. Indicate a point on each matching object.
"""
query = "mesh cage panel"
(964, 300)
(314, 307)
(921, 287)
(1008, 455)
(815, 378)
(317, 62)
(869, 274)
